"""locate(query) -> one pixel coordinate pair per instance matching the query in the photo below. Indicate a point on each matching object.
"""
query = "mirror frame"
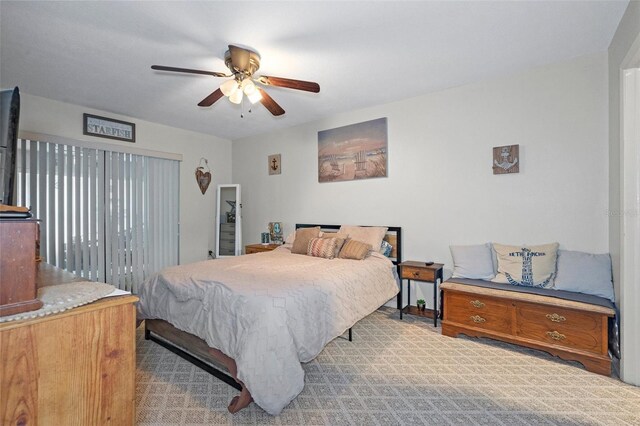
(238, 241)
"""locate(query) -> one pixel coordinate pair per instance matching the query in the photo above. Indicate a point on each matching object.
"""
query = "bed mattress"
(269, 311)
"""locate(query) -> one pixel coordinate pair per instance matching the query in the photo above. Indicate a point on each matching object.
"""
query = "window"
(106, 216)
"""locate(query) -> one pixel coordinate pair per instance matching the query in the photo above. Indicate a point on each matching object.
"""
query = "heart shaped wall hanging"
(203, 178)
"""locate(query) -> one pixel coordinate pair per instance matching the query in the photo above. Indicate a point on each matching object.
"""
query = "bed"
(267, 311)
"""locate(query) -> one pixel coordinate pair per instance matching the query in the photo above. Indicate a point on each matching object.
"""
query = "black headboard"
(397, 230)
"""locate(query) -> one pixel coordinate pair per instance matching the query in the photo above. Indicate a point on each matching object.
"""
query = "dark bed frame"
(195, 350)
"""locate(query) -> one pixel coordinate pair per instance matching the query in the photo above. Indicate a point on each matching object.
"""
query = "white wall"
(622, 54)
(440, 188)
(197, 211)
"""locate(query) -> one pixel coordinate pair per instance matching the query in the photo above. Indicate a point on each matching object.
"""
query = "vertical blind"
(106, 216)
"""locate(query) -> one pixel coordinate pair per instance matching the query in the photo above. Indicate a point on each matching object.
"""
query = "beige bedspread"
(269, 311)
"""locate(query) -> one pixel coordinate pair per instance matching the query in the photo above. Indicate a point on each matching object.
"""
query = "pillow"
(474, 262)
(303, 235)
(530, 266)
(585, 273)
(386, 248)
(329, 235)
(290, 238)
(323, 247)
(353, 249)
(371, 235)
(341, 239)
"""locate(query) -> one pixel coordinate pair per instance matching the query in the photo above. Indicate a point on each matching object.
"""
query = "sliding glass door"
(106, 216)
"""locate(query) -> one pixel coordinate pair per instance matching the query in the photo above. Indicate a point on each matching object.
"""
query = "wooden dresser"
(75, 367)
(570, 330)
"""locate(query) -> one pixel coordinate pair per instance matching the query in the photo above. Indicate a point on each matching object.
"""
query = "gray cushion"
(585, 273)
(559, 294)
(473, 262)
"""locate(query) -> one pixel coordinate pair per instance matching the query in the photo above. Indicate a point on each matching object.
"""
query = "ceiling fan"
(243, 63)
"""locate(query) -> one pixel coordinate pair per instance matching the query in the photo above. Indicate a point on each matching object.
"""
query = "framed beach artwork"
(357, 151)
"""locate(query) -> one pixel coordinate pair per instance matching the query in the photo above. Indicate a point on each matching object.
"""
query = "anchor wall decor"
(203, 177)
(506, 159)
(275, 166)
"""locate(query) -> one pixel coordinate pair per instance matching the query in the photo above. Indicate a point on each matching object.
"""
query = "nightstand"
(418, 271)
(259, 248)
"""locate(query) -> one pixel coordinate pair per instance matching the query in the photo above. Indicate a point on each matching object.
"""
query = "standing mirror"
(228, 221)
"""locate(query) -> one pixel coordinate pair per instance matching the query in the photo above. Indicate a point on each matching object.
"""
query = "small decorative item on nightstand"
(275, 232)
(421, 304)
(264, 238)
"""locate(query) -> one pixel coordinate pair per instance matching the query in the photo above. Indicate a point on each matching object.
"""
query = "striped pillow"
(341, 239)
(353, 249)
(322, 247)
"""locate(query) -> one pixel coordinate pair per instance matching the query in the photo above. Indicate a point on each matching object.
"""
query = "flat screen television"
(9, 120)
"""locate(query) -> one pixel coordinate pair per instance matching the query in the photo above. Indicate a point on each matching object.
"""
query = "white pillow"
(475, 262)
(372, 235)
(585, 273)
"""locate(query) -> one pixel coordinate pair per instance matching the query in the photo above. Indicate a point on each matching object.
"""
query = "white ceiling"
(98, 54)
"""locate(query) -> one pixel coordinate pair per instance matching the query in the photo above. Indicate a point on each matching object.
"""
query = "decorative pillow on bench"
(585, 273)
(474, 262)
(530, 266)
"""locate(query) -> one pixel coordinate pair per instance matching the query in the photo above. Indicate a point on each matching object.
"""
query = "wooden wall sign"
(506, 159)
(103, 127)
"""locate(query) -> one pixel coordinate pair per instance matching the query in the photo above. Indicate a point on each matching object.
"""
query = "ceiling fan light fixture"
(236, 97)
(229, 87)
(254, 96)
(243, 64)
(248, 86)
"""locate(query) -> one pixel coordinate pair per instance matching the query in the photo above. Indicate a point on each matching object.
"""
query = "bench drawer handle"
(555, 317)
(477, 319)
(555, 335)
(477, 304)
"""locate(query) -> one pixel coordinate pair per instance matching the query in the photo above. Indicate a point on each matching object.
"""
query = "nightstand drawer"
(413, 273)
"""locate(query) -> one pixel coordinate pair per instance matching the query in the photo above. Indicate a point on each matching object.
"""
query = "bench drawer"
(565, 327)
(478, 311)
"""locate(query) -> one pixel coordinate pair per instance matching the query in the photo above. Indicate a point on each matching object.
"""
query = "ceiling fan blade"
(307, 86)
(239, 57)
(269, 103)
(188, 71)
(211, 99)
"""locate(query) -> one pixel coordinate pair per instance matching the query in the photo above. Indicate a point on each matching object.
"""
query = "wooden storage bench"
(569, 329)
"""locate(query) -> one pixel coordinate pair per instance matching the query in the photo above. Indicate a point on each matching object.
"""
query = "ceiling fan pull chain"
(242, 108)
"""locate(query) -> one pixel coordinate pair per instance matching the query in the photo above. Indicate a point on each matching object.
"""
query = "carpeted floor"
(398, 372)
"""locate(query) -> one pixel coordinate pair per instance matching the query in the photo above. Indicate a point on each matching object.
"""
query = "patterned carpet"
(398, 373)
